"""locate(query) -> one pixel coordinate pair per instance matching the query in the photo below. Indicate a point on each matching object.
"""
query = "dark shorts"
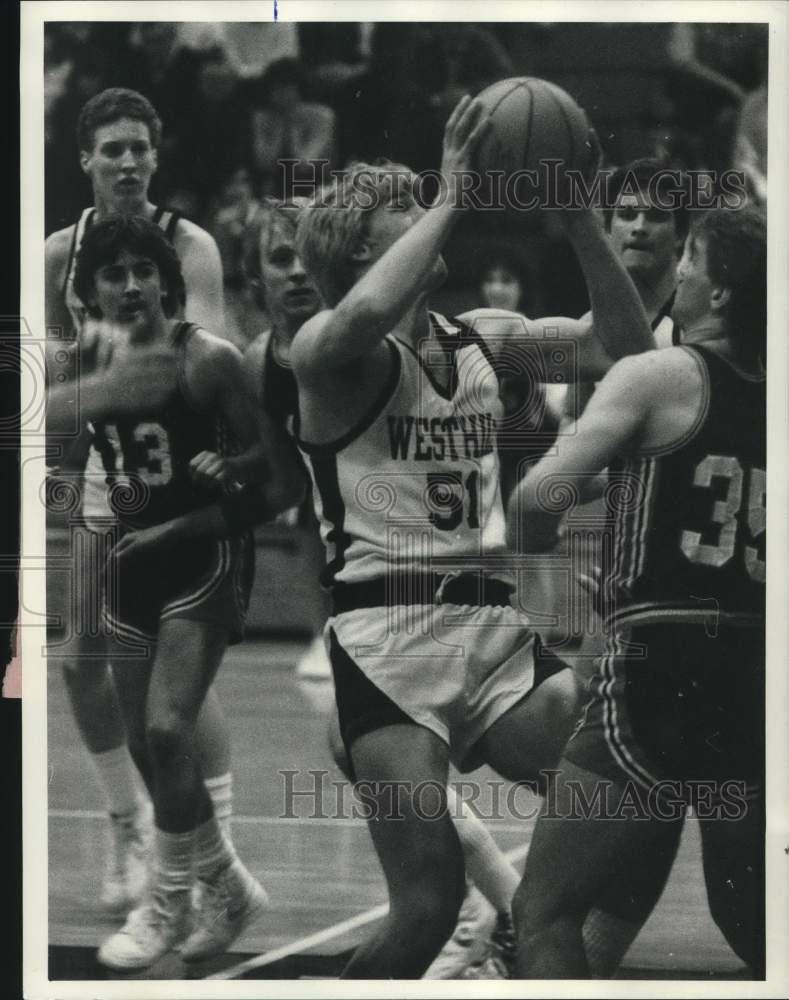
(677, 703)
(204, 580)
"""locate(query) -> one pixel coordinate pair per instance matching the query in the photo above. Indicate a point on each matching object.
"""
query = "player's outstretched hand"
(462, 133)
(211, 470)
(140, 379)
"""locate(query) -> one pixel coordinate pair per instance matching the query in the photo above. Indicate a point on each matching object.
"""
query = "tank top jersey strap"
(165, 218)
(278, 391)
(665, 329)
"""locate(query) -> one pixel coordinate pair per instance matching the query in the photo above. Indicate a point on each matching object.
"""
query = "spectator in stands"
(235, 210)
(529, 406)
(286, 127)
(211, 134)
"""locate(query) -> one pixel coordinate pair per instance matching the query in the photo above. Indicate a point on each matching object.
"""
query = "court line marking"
(286, 820)
(321, 937)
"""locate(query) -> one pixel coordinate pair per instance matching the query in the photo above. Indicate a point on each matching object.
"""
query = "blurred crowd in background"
(238, 98)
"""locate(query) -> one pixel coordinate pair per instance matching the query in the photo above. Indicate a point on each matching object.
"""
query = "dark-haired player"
(180, 569)
(646, 217)
(118, 135)
(679, 695)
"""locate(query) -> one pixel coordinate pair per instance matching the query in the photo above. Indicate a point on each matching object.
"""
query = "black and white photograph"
(395, 600)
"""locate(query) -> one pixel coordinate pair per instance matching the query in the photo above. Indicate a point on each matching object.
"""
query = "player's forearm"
(89, 398)
(531, 527)
(233, 515)
(383, 294)
(619, 319)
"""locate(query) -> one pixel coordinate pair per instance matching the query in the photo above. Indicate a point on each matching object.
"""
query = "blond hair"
(335, 224)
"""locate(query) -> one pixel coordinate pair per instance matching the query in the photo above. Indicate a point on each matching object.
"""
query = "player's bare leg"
(574, 854)
(733, 852)
(421, 858)
(530, 737)
(615, 920)
(97, 713)
(211, 737)
(490, 885)
(188, 836)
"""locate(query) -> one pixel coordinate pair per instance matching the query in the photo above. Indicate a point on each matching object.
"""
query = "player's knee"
(429, 907)
(564, 697)
(538, 903)
(168, 739)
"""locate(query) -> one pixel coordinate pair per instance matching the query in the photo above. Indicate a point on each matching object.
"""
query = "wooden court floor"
(326, 890)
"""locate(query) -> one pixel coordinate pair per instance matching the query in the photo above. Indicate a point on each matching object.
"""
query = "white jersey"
(414, 487)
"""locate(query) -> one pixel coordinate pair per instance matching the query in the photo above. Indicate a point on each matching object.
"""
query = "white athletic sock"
(220, 789)
(174, 860)
(607, 939)
(115, 770)
(214, 851)
(486, 866)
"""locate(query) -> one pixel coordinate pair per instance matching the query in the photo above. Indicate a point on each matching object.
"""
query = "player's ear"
(719, 299)
(84, 160)
(155, 159)
(362, 254)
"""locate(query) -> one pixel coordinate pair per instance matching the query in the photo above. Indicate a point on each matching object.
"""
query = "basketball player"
(679, 698)
(397, 412)
(179, 571)
(289, 296)
(648, 239)
(118, 136)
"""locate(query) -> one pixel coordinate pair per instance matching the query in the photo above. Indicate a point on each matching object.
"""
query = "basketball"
(533, 122)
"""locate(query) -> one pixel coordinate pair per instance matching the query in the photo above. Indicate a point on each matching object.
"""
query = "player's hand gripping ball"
(535, 127)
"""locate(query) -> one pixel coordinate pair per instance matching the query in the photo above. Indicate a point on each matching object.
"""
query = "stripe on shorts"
(185, 603)
(611, 721)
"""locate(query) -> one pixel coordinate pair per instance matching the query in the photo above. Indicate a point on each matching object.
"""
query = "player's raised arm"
(619, 320)
(392, 276)
(608, 426)
(138, 378)
(617, 325)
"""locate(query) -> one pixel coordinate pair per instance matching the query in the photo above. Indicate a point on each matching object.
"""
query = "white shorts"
(454, 669)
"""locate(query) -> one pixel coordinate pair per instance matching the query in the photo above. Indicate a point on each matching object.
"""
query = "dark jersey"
(145, 460)
(690, 522)
(279, 394)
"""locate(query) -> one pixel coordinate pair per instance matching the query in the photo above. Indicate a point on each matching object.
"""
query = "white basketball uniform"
(413, 490)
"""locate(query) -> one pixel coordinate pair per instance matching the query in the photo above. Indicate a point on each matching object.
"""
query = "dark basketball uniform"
(679, 693)
(145, 464)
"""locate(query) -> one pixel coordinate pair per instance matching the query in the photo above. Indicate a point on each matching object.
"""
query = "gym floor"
(325, 886)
